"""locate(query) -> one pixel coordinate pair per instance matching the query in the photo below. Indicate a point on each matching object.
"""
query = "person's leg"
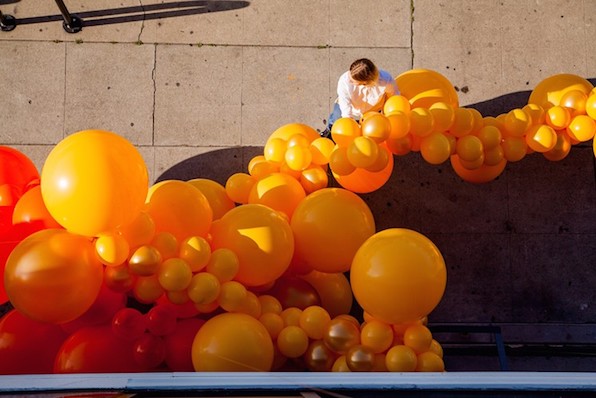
(335, 114)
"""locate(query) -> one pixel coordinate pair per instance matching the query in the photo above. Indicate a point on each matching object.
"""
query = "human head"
(364, 71)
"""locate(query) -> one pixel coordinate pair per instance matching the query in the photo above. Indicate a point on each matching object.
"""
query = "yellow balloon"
(320, 150)
(443, 116)
(376, 335)
(549, 91)
(279, 191)
(478, 175)
(463, 122)
(179, 208)
(558, 117)
(139, 231)
(423, 87)
(541, 138)
(94, 181)
(259, 167)
(339, 162)
(582, 128)
(469, 148)
(536, 113)
(292, 341)
(401, 358)
(430, 362)
(174, 275)
(314, 320)
(275, 149)
(362, 152)
(591, 105)
(376, 127)
(421, 122)
(232, 342)
(575, 101)
(435, 148)
(344, 130)
(514, 148)
(400, 125)
(216, 195)
(204, 288)
(112, 249)
(288, 130)
(561, 149)
(517, 122)
(238, 187)
(195, 250)
(298, 158)
(494, 156)
(145, 260)
(261, 238)
(490, 136)
(224, 264)
(398, 275)
(396, 103)
(329, 225)
(313, 179)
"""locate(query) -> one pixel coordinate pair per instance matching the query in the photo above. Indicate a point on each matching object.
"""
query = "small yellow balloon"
(401, 358)
(541, 138)
(238, 187)
(204, 288)
(196, 251)
(435, 148)
(362, 152)
(112, 249)
(344, 130)
(275, 149)
(298, 158)
(463, 122)
(314, 321)
(536, 113)
(469, 148)
(561, 149)
(582, 128)
(174, 275)
(145, 261)
(443, 116)
(223, 264)
(313, 179)
(400, 125)
(490, 136)
(292, 341)
(377, 127)
(422, 122)
(514, 148)
(517, 121)
(339, 162)
(320, 150)
(430, 362)
(396, 103)
(558, 117)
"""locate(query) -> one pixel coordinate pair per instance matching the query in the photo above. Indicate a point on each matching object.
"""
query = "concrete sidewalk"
(199, 86)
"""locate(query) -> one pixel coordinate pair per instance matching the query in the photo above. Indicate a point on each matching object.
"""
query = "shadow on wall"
(140, 13)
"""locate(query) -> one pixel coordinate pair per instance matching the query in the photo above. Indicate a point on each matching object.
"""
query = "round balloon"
(329, 225)
(425, 87)
(363, 180)
(232, 342)
(279, 191)
(216, 196)
(94, 181)
(16, 168)
(261, 238)
(480, 175)
(398, 275)
(53, 276)
(179, 208)
(551, 90)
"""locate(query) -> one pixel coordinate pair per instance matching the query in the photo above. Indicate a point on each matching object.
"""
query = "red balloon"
(102, 311)
(28, 346)
(16, 168)
(96, 349)
(179, 345)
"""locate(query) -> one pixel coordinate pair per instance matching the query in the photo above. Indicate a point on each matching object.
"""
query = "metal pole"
(7, 22)
(72, 23)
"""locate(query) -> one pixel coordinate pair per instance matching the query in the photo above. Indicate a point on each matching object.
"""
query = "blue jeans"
(335, 114)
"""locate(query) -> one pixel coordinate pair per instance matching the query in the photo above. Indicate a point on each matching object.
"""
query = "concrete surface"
(199, 86)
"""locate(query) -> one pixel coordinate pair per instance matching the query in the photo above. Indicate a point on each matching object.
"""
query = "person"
(363, 88)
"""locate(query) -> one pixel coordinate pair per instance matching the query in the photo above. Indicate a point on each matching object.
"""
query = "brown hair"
(364, 70)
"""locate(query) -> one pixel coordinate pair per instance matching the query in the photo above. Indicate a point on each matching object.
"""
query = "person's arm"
(343, 98)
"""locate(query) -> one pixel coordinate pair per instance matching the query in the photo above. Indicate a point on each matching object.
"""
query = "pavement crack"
(142, 21)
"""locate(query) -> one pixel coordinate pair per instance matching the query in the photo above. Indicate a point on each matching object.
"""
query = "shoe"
(325, 133)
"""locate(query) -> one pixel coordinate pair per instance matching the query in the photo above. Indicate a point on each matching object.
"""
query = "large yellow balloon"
(329, 225)
(286, 131)
(179, 208)
(550, 91)
(261, 238)
(425, 87)
(398, 275)
(53, 276)
(94, 181)
(232, 342)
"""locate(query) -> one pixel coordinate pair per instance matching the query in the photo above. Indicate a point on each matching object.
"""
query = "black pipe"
(72, 23)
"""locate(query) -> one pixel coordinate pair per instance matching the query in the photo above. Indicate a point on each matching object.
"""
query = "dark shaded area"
(142, 12)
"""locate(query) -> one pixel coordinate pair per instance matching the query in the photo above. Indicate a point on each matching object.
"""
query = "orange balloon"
(344, 130)
(365, 181)
(558, 117)
(517, 122)
(469, 148)
(238, 187)
(286, 131)
(53, 276)
(314, 320)
(582, 128)
(422, 122)
(274, 150)
(321, 149)
(443, 116)
(435, 148)
(423, 87)
(398, 275)
(232, 342)
(377, 127)
(261, 238)
(30, 207)
(551, 90)
(216, 195)
(536, 113)
(334, 291)
(179, 208)
(561, 149)
(313, 179)
(400, 125)
(94, 181)
(259, 167)
(401, 358)
(362, 152)
(463, 122)
(396, 103)
(514, 148)
(339, 161)
(279, 191)
(541, 138)
(479, 175)
(329, 225)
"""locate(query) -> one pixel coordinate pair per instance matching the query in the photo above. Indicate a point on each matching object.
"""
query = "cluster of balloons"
(246, 276)
(107, 273)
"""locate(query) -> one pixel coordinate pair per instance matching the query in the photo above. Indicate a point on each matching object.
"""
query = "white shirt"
(355, 100)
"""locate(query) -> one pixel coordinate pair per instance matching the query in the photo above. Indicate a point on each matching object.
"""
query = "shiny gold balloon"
(319, 358)
(360, 358)
(341, 335)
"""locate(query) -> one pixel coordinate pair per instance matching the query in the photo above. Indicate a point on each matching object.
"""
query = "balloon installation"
(107, 273)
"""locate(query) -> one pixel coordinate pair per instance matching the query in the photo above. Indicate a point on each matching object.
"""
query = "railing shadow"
(141, 12)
